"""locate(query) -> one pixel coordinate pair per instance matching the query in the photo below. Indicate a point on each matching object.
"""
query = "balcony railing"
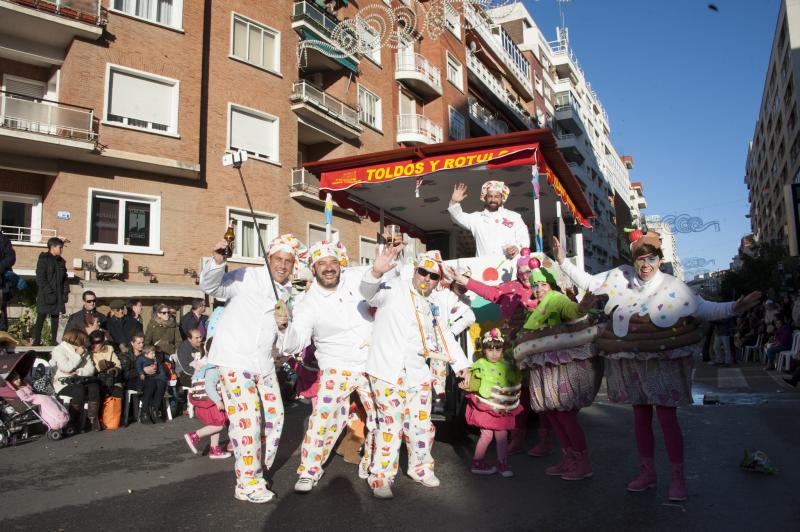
(304, 181)
(486, 119)
(324, 22)
(494, 86)
(417, 63)
(87, 11)
(33, 235)
(304, 91)
(419, 125)
(36, 115)
(561, 48)
(501, 45)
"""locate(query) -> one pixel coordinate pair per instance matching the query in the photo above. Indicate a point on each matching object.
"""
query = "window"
(369, 105)
(142, 101)
(21, 217)
(366, 251)
(245, 244)
(457, 125)
(372, 41)
(125, 222)
(452, 20)
(255, 44)
(164, 12)
(316, 233)
(454, 74)
(254, 132)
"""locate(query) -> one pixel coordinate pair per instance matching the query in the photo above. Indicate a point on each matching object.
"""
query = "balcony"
(44, 128)
(503, 47)
(494, 90)
(27, 235)
(568, 113)
(304, 183)
(322, 117)
(485, 120)
(313, 24)
(564, 61)
(418, 74)
(417, 129)
(53, 24)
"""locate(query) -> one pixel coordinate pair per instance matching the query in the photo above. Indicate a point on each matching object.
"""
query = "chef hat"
(430, 260)
(287, 243)
(492, 335)
(324, 248)
(494, 186)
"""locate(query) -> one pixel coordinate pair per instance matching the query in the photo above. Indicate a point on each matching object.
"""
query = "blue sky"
(682, 87)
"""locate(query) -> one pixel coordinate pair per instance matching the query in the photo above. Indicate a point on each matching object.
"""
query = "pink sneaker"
(559, 469)
(504, 469)
(646, 478)
(216, 453)
(542, 447)
(581, 467)
(193, 441)
(480, 467)
(677, 487)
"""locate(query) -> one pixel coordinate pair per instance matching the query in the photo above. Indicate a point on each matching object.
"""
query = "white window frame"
(450, 112)
(378, 109)
(334, 233)
(452, 21)
(362, 259)
(265, 29)
(172, 130)
(36, 215)
(177, 5)
(122, 197)
(240, 215)
(261, 114)
(458, 83)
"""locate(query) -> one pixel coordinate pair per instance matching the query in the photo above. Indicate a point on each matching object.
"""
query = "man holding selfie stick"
(406, 333)
(497, 230)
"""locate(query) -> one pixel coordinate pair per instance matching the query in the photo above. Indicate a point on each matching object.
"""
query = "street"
(144, 478)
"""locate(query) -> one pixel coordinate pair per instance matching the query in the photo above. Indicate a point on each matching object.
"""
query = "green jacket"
(553, 309)
(485, 375)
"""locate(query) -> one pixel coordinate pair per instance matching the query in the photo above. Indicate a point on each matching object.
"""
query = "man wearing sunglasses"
(407, 332)
(76, 320)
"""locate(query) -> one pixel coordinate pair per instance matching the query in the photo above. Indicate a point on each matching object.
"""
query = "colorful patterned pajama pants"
(255, 410)
(439, 372)
(402, 412)
(329, 417)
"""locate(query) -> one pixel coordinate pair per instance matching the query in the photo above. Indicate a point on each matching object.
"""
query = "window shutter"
(25, 88)
(140, 98)
(252, 133)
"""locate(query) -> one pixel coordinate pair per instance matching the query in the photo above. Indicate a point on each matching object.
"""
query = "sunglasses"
(90, 301)
(163, 312)
(422, 272)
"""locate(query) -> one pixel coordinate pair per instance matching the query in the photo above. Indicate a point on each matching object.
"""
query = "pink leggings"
(568, 430)
(500, 436)
(673, 437)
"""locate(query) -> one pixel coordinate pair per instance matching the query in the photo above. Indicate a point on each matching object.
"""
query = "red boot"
(559, 469)
(581, 466)
(542, 447)
(646, 478)
(677, 487)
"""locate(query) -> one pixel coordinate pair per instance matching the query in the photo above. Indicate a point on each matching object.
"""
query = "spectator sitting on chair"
(109, 368)
(194, 319)
(76, 320)
(188, 359)
(153, 378)
(70, 359)
(127, 360)
(53, 290)
(132, 322)
(115, 325)
(162, 332)
(781, 340)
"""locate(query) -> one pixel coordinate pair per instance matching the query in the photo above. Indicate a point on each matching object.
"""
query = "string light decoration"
(379, 26)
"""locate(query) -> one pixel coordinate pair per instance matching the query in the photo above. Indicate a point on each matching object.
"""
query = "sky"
(682, 86)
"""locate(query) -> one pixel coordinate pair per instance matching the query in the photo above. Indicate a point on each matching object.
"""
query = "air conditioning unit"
(108, 262)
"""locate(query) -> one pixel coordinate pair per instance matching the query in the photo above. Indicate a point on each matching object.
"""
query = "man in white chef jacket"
(242, 348)
(336, 317)
(405, 333)
(497, 230)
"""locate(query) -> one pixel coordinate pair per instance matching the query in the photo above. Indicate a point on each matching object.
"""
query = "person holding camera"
(73, 377)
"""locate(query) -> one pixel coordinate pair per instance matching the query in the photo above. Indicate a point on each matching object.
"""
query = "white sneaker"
(429, 481)
(259, 497)
(384, 492)
(304, 484)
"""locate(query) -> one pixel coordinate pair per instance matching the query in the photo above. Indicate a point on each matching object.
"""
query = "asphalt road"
(144, 478)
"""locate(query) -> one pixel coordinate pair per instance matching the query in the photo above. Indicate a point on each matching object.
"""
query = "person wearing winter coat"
(163, 332)
(8, 258)
(70, 359)
(53, 290)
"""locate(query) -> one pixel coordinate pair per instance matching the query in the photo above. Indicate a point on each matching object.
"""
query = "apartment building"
(116, 114)
(773, 157)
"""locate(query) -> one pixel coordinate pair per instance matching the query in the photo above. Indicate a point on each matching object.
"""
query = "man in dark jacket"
(195, 319)
(115, 325)
(132, 322)
(53, 289)
(7, 259)
(76, 320)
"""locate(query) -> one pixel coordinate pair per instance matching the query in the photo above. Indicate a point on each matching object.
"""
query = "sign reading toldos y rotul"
(380, 173)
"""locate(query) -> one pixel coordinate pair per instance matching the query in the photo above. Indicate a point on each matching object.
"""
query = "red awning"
(522, 148)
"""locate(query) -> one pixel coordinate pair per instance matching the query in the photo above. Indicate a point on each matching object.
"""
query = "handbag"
(112, 411)
(41, 380)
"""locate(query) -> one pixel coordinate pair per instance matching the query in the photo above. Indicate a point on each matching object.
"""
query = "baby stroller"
(19, 420)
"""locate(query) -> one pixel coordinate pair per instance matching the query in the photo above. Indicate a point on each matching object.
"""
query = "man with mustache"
(335, 316)
(242, 348)
(406, 332)
(497, 230)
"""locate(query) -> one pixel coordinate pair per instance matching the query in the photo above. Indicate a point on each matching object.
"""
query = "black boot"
(75, 418)
(92, 412)
(155, 415)
(144, 416)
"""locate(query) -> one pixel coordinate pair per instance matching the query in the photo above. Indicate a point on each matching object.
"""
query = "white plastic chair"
(785, 357)
(753, 349)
